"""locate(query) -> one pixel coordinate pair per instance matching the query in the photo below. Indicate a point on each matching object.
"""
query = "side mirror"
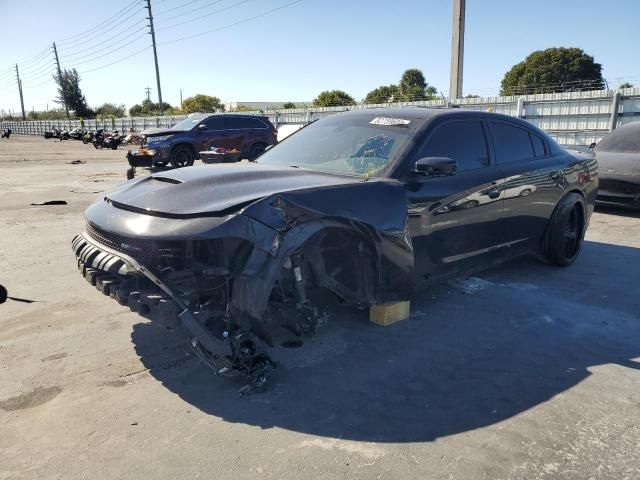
(591, 147)
(436, 166)
(202, 127)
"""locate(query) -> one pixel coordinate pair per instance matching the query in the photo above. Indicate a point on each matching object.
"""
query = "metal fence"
(572, 118)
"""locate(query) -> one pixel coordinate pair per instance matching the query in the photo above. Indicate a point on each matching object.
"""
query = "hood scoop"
(214, 190)
(159, 178)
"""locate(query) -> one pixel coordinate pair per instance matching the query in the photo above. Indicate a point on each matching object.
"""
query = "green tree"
(333, 98)
(413, 87)
(110, 110)
(553, 70)
(69, 92)
(383, 94)
(202, 103)
(148, 109)
(289, 105)
(625, 85)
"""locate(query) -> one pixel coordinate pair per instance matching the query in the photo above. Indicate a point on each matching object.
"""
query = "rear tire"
(563, 240)
(182, 156)
(256, 150)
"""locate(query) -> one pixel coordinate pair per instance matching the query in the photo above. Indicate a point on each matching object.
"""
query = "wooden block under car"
(389, 313)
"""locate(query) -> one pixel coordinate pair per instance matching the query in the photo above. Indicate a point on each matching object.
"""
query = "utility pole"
(180, 99)
(155, 52)
(148, 90)
(457, 50)
(64, 94)
(24, 117)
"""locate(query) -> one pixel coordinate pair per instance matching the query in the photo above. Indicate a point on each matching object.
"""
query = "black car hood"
(214, 190)
(618, 164)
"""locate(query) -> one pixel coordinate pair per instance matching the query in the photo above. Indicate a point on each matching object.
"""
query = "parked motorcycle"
(6, 133)
(64, 135)
(77, 133)
(102, 139)
(87, 137)
(54, 133)
(133, 139)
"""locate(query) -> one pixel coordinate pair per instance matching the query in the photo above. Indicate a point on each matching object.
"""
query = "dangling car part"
(365, 206)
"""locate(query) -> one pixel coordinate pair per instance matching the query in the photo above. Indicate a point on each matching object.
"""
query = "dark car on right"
(618, 156)
(180, 145)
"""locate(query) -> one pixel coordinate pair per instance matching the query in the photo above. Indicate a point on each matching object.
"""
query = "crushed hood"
(214, 190)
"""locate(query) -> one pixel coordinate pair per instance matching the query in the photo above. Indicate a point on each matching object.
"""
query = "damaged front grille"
(141, 250)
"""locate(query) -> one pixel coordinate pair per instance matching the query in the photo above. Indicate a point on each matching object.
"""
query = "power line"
(162, 12)
(207, 15)
(232, 24)
(97, 41)
(38, 77)
(40, 84)
(100, 26)
(74, 64)
(117, 61)
(37, 65)
(34, 58)
(74, 60)
(190, 11)
(39, 70)
(92, 48)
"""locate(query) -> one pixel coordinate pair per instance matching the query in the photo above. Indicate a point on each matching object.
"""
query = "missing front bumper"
(122, 278)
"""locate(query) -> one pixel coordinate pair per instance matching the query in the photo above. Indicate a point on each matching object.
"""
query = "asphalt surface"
(526, 371)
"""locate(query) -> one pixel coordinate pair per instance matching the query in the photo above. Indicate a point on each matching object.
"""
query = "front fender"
(375, 212)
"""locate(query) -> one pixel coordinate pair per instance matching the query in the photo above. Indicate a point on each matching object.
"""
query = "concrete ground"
(526, 371)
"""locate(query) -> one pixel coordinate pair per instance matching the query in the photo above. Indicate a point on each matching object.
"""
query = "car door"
(533, 181)
(237, 130)
(455, 221)
(212, 133)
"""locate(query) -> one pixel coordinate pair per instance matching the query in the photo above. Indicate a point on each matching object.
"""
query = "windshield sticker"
(392, 122)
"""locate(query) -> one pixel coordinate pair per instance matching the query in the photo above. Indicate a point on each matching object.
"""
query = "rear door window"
(215, 123)
(511, 143)
(237, 123)
(461, 140)
(254, 123)
(538, 145)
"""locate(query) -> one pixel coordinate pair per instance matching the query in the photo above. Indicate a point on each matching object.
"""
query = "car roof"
(423, 115)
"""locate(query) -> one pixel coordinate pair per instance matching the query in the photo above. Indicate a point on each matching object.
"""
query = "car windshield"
(622, 140)
(189, 122)
(350, 145)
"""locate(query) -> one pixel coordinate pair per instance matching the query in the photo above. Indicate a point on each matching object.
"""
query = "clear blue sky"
(294, 53)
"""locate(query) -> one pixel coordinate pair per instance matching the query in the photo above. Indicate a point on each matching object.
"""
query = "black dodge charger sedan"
(366, 205)
(618, 156)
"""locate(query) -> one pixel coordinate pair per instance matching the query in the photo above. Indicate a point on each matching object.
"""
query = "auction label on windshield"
(394, 122)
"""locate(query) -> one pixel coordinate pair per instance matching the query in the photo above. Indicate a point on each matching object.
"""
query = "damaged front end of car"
(244, 279)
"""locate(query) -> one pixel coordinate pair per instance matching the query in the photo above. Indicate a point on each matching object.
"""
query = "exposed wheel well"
(343, 261)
